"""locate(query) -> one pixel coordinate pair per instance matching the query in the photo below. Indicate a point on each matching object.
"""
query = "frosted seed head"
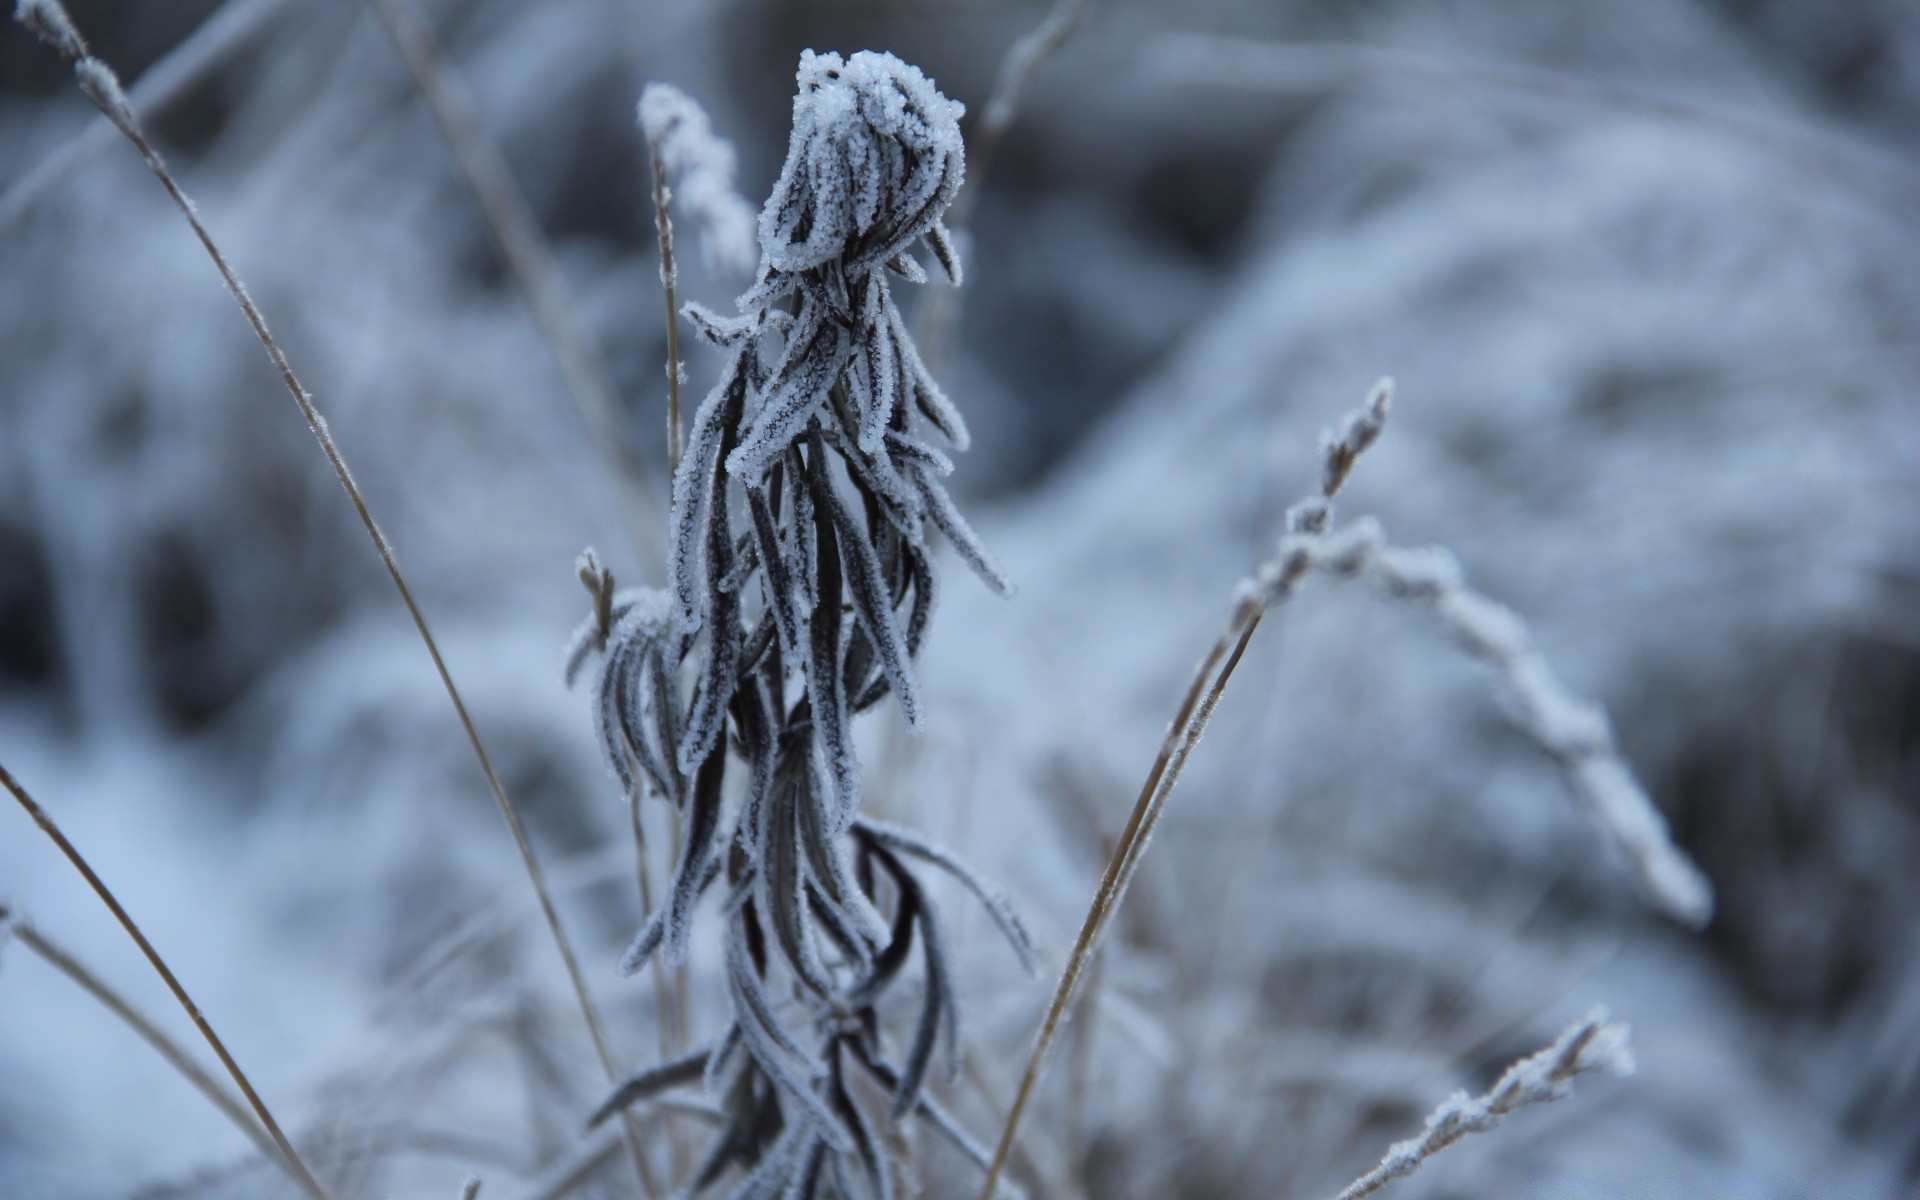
(701, 164)
(48, 21)
(102, 86)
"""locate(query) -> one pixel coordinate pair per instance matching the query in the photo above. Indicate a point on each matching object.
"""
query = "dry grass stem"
(221, 35)
(941, 311)
(283, 1150)
(517, 232)
(669, 285)
(100, 85)
(175, 1055)
(1023, 61)
(1339, 453)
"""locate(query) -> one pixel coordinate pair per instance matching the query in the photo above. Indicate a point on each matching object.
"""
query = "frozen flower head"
(875, 159)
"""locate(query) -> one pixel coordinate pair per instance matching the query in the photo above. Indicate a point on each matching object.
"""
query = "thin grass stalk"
(101, 86)
(222, 35)
(517, 232)
(175, 1055)
(1080, 1073)
(1202, 694)
(1340, 449)
(283, 1151)
(669, 284)
(1022, 62)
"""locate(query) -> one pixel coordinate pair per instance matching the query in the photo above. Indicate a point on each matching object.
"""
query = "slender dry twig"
(517, 232)
(1339, 453)
(1023, 61)
(669, 284)
(1080, 1072)
(941, 310)
(175, 1055)
(220, 36)
(283, 1149)
(98, 82)
(1592, 1044)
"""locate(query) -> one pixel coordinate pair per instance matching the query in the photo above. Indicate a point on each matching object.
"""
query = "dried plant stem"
(1023, 61)
(1080, 1072)
(941, 311)
(168, 1049)
(517, 232)
(1190, 722)
(669, 284)
(102, 87)
(219, 37)
(283, 1151)
(1339, 451)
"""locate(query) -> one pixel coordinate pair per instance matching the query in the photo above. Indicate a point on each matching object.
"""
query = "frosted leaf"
(873, 606)
(724, 1055)
(650, 1082)
(645, 943)
(782, 877)
(716, 330)
(866, 1145)
(633, 722)
(698, 847)
(919, 452)
(706, 722)
(783, 595)
(824, 676)
(878, 364)
(816, 352)
(931, 401)
(935, 1115)
(827, 864)
(701, 165)
(926, 595)
(773, 1048)
(692, 484)
(965, 542)
(908, 268)
(938, 1013)
(941, 243)
(882, 479)
(991, 898)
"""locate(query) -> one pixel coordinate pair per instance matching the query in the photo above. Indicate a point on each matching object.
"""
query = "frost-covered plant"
(800, 584)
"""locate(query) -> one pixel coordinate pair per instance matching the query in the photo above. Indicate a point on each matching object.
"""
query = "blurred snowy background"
(1648, 274)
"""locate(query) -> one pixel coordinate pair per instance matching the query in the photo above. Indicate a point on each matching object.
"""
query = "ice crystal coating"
(800, 586)
(701, 165)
